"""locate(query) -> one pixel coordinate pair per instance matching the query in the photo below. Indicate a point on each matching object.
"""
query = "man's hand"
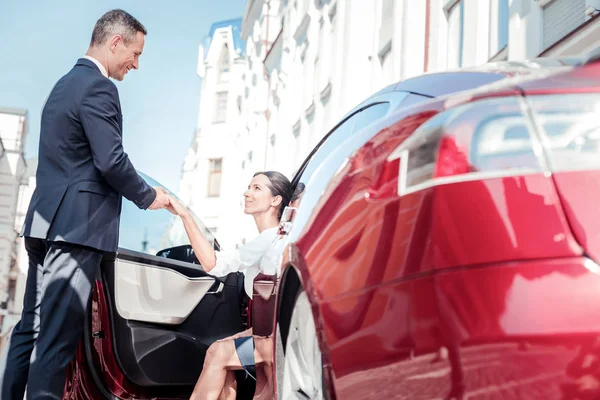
(162, 199)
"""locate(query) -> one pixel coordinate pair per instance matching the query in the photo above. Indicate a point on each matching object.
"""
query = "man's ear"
(114, 42)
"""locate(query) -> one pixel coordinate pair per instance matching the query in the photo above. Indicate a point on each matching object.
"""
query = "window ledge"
(325, 91)
(310, 110)
(544, 3)
(385, 50)
(296, 128)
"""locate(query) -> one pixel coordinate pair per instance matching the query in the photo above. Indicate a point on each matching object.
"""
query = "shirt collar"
(100, 66)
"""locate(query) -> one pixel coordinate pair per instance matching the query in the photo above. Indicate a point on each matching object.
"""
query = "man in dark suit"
(73, 218)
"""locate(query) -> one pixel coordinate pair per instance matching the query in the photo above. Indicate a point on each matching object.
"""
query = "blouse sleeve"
(246, 256)
(227, 262)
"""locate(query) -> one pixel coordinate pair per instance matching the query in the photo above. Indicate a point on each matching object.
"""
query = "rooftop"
(13, 111)
(236, 26)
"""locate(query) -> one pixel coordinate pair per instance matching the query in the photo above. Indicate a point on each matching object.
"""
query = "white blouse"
(259, 255)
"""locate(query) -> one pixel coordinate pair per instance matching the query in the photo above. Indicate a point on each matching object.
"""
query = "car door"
(157, 311)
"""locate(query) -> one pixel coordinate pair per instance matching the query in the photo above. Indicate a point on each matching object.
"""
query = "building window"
(387, 24)
(220, 107)
(332, 14)
(387, 73)
(308, 71)
(214, 177)
(456, 22)
(224, 64)
(317, 78)
(562, 17)
(499, 14)
(525, 7)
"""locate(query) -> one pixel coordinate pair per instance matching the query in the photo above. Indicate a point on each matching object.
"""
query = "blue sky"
(41, 41)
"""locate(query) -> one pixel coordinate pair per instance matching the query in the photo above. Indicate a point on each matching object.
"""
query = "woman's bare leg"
(230, 388)
(221, 359)
(263, 355)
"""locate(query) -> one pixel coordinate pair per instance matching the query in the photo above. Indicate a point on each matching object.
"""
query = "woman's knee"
(218, 354)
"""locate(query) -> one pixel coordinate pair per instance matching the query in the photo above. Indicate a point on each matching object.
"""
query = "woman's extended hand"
(175, 207)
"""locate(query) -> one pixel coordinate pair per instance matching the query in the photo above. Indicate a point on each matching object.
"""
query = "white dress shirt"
(259, 255)
(100, 66)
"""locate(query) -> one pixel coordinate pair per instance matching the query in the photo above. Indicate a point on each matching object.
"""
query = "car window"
(369, 116)
(149, 231)
(336, 137)
(353, 124)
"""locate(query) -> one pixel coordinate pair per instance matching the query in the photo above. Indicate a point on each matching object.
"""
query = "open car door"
(154, 312)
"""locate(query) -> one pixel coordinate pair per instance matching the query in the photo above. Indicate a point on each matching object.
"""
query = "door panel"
(144, 293)
(263, 304)
(152, 354)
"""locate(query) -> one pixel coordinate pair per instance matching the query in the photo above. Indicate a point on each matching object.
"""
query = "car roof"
(439, 84)
(582, 79)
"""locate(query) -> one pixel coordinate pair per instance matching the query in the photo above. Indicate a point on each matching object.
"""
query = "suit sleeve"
(99, 114)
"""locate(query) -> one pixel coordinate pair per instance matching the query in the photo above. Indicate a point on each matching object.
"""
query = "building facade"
(210, 180)
(13, 128)
(308, 62)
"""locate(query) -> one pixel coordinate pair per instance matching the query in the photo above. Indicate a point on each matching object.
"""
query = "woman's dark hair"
(279, 185)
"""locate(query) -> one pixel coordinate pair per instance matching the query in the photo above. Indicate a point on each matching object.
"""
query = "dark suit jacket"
(83, 170)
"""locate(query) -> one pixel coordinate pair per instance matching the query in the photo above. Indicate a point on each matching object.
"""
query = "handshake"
(170, 203)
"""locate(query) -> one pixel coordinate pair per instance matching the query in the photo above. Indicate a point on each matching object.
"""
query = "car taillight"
(484, 139)
(569, 127)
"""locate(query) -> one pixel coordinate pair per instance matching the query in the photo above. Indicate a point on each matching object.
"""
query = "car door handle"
(219, 289)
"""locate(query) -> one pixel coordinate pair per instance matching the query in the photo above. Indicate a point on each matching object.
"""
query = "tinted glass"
(370, 115)
(148, 231)
(336, 138)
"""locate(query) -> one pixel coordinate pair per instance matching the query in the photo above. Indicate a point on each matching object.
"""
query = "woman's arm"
(202, 247)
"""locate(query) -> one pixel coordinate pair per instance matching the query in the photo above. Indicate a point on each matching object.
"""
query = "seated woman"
(267, 195)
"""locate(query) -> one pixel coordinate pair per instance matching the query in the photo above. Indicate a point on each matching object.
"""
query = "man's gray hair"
(116, 22)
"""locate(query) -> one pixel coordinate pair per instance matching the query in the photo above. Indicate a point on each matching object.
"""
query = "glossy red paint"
(438, 228)
(578, 80)
(477, 288)
(78, 385)
(80, 380)
(510, 338)
(114, 379)
(581, 210)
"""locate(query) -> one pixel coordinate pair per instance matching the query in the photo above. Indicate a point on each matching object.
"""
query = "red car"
(453, 255)
(154, 313)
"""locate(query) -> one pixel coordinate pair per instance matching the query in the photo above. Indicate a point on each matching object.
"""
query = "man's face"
(125, 57)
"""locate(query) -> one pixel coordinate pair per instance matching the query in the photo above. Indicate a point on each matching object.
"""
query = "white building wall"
(214, 139)
(26, 190)
(13, 128)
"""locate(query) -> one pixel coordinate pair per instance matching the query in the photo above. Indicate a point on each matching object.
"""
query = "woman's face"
(258, 198)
